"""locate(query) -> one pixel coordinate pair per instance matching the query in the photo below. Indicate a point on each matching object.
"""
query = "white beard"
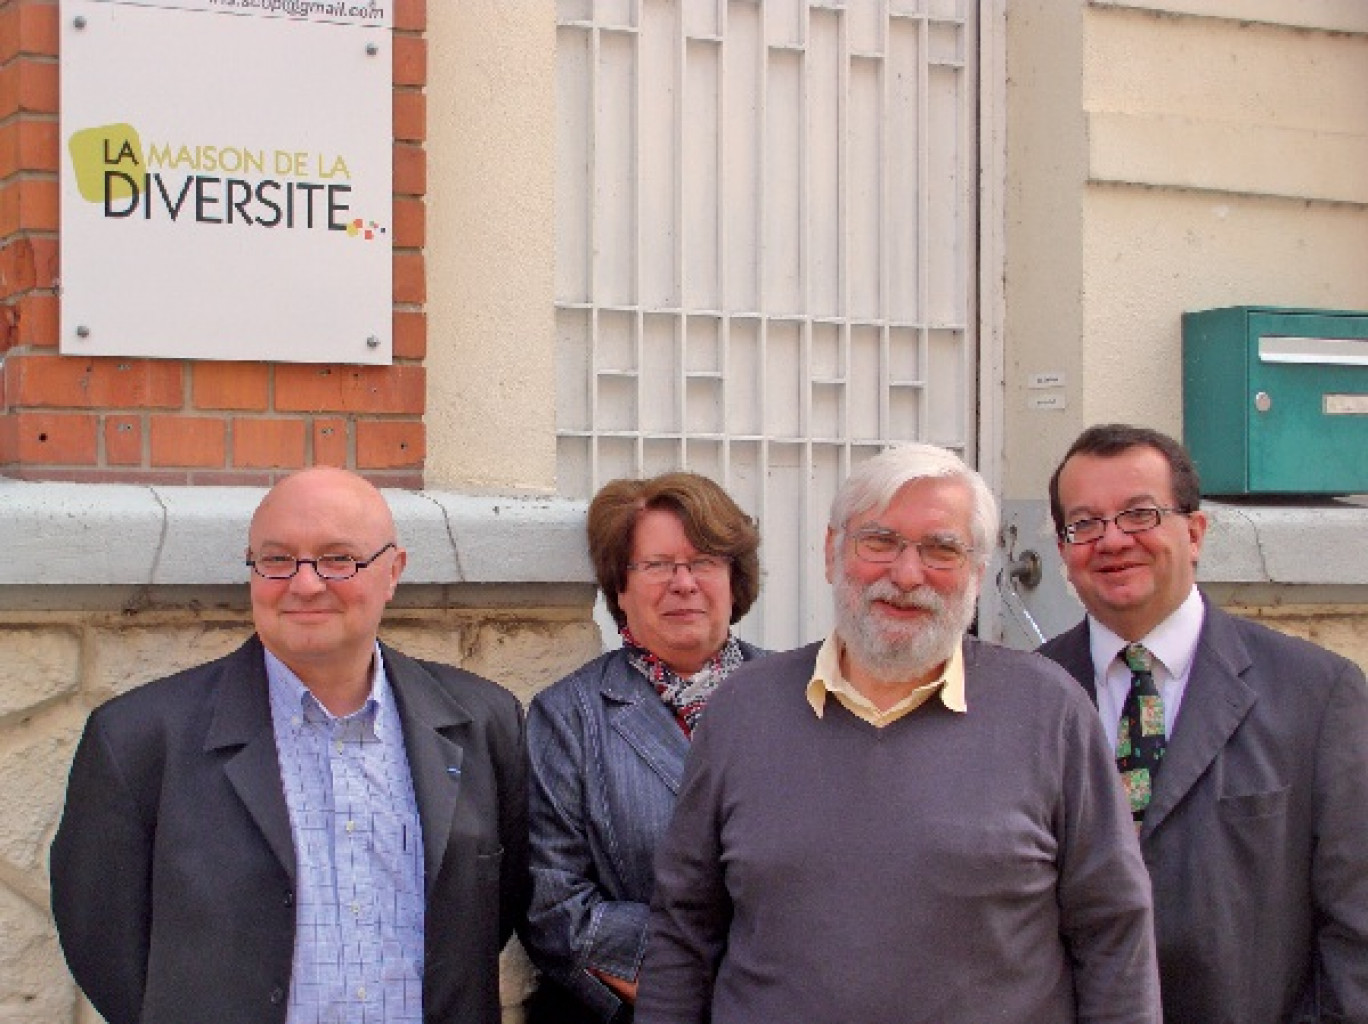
(895, 652)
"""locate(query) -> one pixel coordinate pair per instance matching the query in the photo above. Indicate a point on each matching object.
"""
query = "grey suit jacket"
(173, 867)
(1257, 836)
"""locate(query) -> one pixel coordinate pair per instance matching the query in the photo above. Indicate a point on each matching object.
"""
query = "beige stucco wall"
(1164, 157)
(491, 245)
(58, 665)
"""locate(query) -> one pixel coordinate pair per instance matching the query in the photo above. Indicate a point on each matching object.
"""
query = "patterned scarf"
(685, 697)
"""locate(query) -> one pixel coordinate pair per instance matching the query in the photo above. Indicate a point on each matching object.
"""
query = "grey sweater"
(949, 868)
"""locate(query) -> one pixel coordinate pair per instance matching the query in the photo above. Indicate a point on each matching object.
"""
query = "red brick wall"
(107, 419)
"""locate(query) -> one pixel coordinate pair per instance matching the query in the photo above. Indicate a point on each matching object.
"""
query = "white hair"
(873, 484)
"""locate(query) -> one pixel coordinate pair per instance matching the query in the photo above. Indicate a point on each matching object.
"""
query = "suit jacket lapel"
(1074, 653)
(1216, 702)
(242, 718)
(432, 723)
(638, 715)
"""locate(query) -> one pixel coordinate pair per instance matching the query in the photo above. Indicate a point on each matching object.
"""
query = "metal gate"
(765, 254)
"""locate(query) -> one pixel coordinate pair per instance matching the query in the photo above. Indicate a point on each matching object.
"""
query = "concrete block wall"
(57, 665)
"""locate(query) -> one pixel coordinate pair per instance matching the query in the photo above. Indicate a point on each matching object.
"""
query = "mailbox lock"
(1263, 401)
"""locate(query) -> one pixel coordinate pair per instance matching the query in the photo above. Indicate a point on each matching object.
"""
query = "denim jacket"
(607, 757)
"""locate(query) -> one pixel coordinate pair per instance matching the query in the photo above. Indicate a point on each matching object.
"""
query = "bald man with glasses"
(1244, 752)
(314, 828)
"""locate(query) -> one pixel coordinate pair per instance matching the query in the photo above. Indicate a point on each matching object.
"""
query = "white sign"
(227, 179)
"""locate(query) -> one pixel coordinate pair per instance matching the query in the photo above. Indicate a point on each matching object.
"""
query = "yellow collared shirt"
(828, 680)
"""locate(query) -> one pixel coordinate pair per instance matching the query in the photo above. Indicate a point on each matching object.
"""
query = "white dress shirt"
(1173, 643)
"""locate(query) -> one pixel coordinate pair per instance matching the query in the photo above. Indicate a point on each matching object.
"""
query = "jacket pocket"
(1254, 805)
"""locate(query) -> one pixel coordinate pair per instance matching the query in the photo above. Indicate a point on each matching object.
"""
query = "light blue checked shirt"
(358, 948)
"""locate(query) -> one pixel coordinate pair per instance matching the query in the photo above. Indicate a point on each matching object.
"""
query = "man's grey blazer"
(1257, 837)
(173, 869)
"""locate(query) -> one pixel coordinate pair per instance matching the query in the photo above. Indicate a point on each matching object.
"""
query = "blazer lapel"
(1216, 702)
(242, 719)
(431, 721)
(1073, 651)
(639, 716)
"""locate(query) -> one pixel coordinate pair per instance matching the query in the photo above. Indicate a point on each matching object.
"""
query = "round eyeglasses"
(1131, 520)
(328, 567)
(884, 547)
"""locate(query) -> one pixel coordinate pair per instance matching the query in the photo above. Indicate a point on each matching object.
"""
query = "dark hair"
(711, 520)
(1106, 439)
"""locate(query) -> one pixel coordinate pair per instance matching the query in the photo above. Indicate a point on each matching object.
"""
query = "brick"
(224, 385)
(9, 438)
(38, 320)
(9, 206)
(9, 326)
(123, 440)
(410, 15)
(268, 443)
(389, 444)
(410, 116)
(17, 268)
(9, 32)
(94, 383)
(188, 441)
(409, 337)
(39, 29)
(330, 443)
(410, 60)
(410, 169)
(28, 204)
(409, 223)
(28, 263)
(410, 285)
(376, 390)
(38, 204)
(58, 439)
(29, 85)
(9, 149)
(40, 145)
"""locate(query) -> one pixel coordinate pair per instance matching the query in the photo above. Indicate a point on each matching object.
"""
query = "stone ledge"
(1301, 544)
(121, 534)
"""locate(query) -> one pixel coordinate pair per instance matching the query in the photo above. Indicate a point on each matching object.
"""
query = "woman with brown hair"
(678, 565)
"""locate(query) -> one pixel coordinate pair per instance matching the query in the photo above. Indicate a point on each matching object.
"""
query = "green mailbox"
(1275, 401)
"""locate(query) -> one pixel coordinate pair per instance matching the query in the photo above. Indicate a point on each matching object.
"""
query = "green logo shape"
(104, 148)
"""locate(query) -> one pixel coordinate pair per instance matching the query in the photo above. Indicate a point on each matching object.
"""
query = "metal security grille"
(765, 254)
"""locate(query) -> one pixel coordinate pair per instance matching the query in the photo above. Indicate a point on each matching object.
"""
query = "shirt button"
(289, 899)
(356, 909)
(351, 826)
(338, 746)
(361, 993)
(277, 994)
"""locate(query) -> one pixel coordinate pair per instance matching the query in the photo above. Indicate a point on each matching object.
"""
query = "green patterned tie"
(1140, 738)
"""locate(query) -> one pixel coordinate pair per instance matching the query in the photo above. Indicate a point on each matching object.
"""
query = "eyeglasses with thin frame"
(328, 567)
(1131, 520)
(884, 547)
(662, 570)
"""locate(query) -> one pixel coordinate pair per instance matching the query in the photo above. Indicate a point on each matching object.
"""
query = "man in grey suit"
(901, 825)
(313, 828)
(1254, 820)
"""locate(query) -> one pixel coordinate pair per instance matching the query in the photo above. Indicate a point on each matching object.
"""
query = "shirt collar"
(292, 699)
(828, 679)
(1173, 642)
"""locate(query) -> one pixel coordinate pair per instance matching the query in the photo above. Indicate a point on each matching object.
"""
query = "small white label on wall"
(1051, 401)
(1045, 380)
